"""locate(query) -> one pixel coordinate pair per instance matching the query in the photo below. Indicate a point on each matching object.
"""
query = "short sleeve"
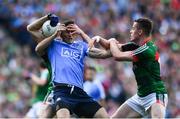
(143, 53)
(85, 48)
(130, 46)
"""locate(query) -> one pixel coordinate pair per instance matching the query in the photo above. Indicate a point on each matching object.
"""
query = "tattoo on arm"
(99, 53)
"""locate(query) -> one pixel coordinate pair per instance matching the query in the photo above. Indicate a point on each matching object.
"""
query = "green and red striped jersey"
(147, 69)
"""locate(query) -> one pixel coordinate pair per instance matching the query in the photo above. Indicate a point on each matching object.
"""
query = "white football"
(47, 29)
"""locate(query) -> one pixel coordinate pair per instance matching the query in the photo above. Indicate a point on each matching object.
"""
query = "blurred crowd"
(107, 18)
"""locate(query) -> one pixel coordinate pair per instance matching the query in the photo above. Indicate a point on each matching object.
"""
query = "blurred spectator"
(93, 87)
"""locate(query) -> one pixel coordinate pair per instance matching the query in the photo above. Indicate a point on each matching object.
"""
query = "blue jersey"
(67, 62)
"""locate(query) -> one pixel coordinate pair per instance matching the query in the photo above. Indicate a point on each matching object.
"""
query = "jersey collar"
(146, 40)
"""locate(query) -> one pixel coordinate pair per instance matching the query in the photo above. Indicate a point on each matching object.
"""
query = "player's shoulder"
(141, 49)
(148, 48)
(80, 44)
(152, 46)
(55, 41)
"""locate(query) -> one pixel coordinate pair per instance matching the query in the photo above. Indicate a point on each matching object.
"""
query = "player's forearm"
(37, 24)
(99, 53)
(104, 43)
(34, 29)
(114, 50)
(37, 80)
(40, 48)
(85, 37)
(119, 46)
(118, 54)
(106, 54)
(102, 55)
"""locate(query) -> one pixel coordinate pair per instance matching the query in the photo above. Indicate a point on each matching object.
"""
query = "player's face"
(66, 36)
(89, 74)
(135, 32)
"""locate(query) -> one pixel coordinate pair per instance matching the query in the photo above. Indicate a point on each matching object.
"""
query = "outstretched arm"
(99, 53)
(105, 43)
(34, 29)
(118, 54)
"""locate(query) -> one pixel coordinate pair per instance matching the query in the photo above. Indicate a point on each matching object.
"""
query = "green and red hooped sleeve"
(139, 53)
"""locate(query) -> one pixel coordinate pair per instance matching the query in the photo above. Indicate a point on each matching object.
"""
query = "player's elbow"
(38, 50)
(28, 28)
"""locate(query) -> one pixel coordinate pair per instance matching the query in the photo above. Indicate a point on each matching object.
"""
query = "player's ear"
(140, 32)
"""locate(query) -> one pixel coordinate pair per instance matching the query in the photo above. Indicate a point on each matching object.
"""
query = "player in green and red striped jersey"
(151, 98)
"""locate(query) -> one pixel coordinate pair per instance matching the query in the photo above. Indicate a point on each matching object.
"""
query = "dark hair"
(67, 22)
(145, 24)
(43, 65)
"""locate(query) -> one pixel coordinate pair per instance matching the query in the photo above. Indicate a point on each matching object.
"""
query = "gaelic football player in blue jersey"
(66, 56)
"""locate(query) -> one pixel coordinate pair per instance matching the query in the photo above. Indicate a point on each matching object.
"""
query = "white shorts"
(142, 104)
(35, 111)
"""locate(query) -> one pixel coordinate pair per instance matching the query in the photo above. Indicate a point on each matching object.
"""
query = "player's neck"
(68, 41)
(145, 40)
(142, 40)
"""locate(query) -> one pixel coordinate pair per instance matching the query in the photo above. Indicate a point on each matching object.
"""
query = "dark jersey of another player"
(147, 69)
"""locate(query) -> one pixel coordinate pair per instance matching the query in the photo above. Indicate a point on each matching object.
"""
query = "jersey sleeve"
(130, 46)
(143, 53)
(85, 48)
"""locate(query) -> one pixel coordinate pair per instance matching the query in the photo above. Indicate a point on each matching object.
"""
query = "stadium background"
(108, 18)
